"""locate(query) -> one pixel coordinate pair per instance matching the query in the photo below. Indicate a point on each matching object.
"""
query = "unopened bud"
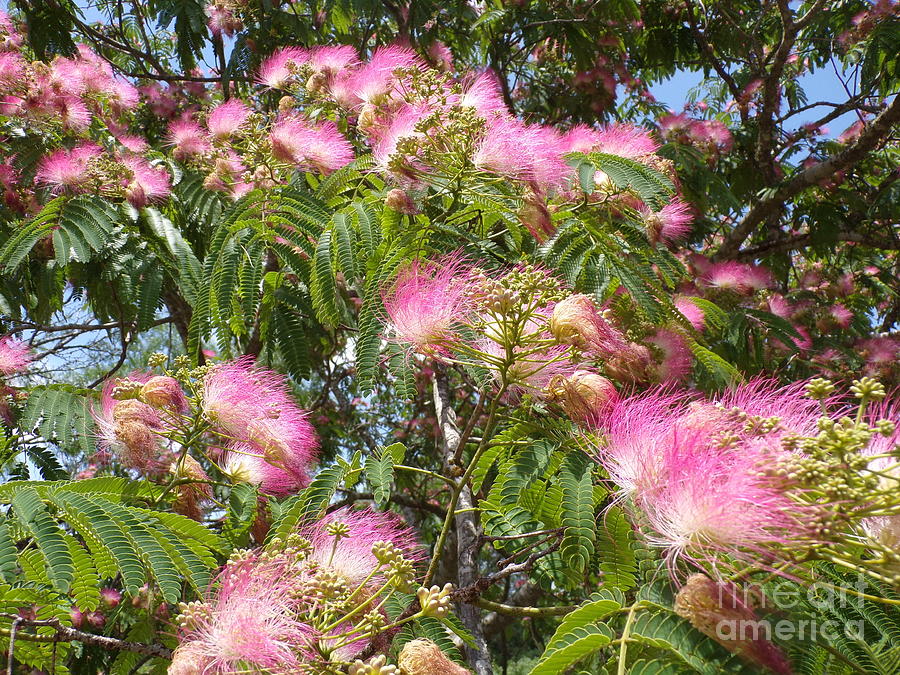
(584, 396)
(424, 657)
(435, 601)
(715, 609)
(400, 201)
(165, 393)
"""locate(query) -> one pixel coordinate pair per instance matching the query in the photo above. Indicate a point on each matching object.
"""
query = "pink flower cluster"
(412, 137)
(14, 359)
(269, 440)
(711, 137)
(265, 610)
(702, 475)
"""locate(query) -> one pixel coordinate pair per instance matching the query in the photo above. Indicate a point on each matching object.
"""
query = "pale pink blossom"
(227, 119)
(737, 277)
(147, 184)
(384, 140)
(14, 356)
(377, 79)
(690, 311)
(332, 59)
(625, 140)
(311, 147)
(482, 92)
(670, 223)
(68, 170)
(188, 138)
(277, 70)
(351, 557)
(249, 405)
(676, 355)
(427, 301)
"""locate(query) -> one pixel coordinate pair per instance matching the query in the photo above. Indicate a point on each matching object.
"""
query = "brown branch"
(773, 204)
(707, 49)
(68, 634)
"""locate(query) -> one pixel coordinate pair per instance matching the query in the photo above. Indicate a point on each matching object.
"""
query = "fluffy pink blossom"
(14, 356)
(352, 558)
(221, 20)
(275, 71)
(249, 405)
(676, 355)
(879, 353)
(841, 315)
(690, 311)
(625, 140)
(227, 118)
(247, 463)
(251, 619)
(482, 92)
(385, 139)
(147, 184)
(133, 143)
(332, 59)
(12, 68)
(72, 112)
(312, 147)
(376, 79)
(670, 223)
(427, 301)
(189, 139)
(131, 430)
(68, 170)
(441, 56)
(735, 276)
(10, 39)
(518, 151)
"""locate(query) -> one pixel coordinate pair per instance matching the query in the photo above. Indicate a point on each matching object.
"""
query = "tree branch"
(467, 534)
(707, 49)
(774, 203)
(68, 634)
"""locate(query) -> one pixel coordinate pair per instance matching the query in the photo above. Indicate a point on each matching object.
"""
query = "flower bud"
(401, 202)
(96, 619)
(165, 393)
(715, 609)
(77, 617)
(584, 396)
(424, 657)
(576, 321)
(377, 665)
(435, 601)
(110, 597)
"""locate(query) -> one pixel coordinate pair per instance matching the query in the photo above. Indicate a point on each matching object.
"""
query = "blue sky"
(822, 85)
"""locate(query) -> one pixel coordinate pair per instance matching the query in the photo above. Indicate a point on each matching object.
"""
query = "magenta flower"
(188, 138)
(384, 140)
(377, 79)
(131, 430)
(14, 356)
(320, 148)
(352, 558)
(676, 355)
(250, 619)
(276, 71)
(12, 68)
(689, 310)
(247, 463)
(221, 20)
(227, 118)
(427, 301)
(68, 170)
(253, 409)
(708, 500)
(670, 223)
(580, 138)
(482, 92)
(148, 184)
(625, 140)
(331, 60)
(737, 277)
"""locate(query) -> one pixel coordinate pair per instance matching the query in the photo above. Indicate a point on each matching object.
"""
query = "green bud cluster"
(435, 601)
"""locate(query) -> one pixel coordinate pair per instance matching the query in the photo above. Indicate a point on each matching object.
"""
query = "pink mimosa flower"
(427, 301)
(14, 356)
(148, 184)
(227, 118)
(321, 148)
(247, 463)
(331, 60)
(625, 140)
(276, 71)
(676, 355)
(377, 79)
(690, 311)
(351, 557)
(736, 277)
(385, 139)
(250, 619)
(670, 223)
(67, 170)
(482, 92)
(247, 404)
